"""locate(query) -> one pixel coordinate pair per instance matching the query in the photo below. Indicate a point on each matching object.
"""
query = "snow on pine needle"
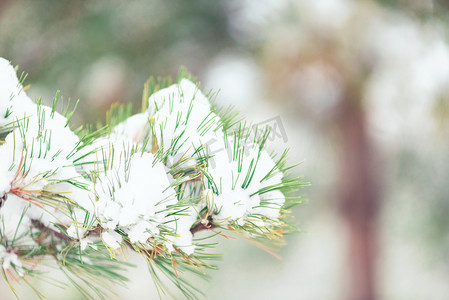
(182, 120)
(136, 199)
(83, 200)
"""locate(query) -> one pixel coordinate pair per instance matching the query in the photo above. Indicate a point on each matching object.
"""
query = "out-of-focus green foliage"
(57, 42)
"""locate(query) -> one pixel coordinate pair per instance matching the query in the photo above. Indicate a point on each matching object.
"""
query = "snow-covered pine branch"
(148, 182)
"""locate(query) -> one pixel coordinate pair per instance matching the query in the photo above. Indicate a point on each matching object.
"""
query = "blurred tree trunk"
(358, 197)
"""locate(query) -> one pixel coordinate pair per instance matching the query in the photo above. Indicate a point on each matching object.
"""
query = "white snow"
(9, 259)
(11, 93)
(183, 120)
(231, 199)
(112, 239)
(135, 197)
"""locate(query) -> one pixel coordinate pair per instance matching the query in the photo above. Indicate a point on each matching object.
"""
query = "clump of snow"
(10, 259)
(123, 138)
(35, 157)
(112, 239)
(236, 184)
(14, 221)
(135, 197)
(183, 238)
(133, 129)
(183, 120)
(13, 100)
(185, 91)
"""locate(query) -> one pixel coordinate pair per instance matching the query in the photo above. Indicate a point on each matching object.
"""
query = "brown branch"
(150, 253)
(62, 236)
(201, 226)
(94, 232)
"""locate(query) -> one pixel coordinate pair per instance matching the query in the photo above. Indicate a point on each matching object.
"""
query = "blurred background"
(360, 88)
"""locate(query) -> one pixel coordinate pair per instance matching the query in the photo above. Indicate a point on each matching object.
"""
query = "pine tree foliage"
(80, 200)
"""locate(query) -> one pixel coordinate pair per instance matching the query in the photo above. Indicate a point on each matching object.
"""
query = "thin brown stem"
(62, 236)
